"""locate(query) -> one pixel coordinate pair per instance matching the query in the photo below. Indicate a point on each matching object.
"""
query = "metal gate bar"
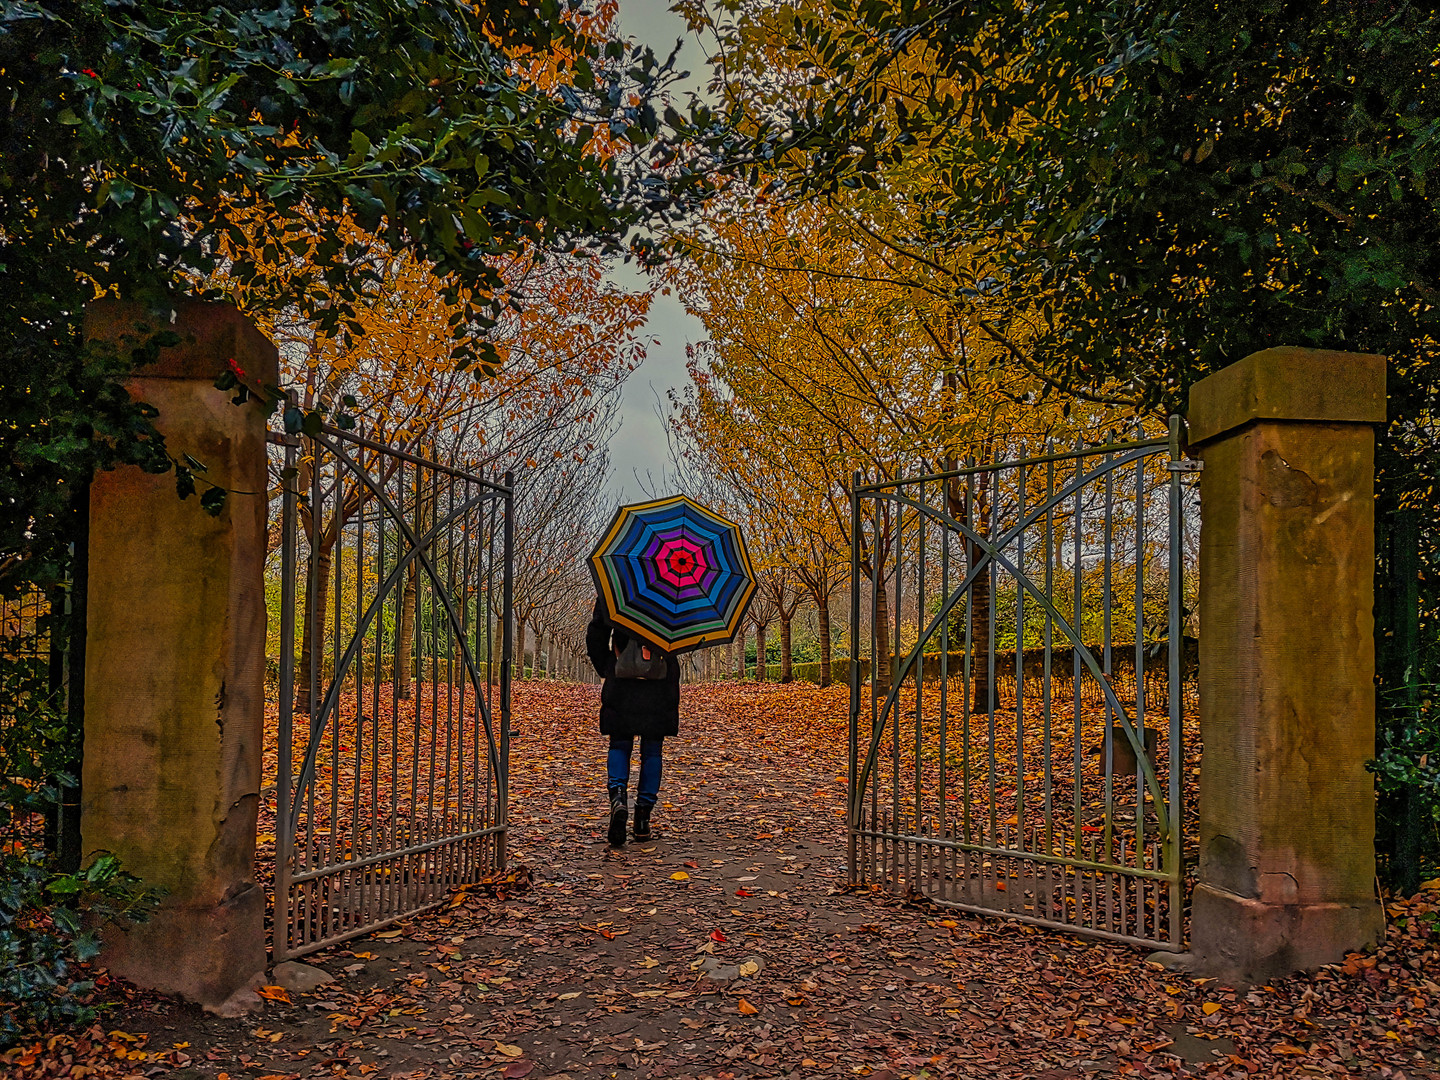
(1074, 821)
(392, 745)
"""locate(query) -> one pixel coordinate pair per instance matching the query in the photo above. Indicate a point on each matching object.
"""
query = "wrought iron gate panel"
(1053, 804)
(392, 748)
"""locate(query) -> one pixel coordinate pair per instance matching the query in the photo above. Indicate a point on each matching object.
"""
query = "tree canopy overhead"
(1173, 185)
(149, 144)
(141, 128)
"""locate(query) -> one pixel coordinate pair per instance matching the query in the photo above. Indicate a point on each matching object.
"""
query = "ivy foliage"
(51, 917)
(50, 925)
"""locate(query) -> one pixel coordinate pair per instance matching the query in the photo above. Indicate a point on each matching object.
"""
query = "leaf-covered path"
(599, 968)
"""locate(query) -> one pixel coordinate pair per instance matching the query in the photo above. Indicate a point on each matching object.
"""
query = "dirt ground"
(599, 967)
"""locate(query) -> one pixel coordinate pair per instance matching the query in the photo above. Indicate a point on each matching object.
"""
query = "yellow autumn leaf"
(746, 1009)
(508, 1049)
(679, 875)
(1210, 1008)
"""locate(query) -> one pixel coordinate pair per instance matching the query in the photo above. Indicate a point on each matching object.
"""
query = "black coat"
(630, 706)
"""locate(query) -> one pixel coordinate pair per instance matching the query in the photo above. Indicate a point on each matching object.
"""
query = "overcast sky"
(639, 447)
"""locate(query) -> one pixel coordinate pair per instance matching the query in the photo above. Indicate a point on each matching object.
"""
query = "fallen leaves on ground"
(594, 969)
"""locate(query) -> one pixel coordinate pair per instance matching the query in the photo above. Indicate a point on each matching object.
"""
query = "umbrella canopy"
(675, 573)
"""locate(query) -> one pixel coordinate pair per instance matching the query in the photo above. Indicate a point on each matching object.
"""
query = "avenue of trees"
(915, 234)
(1106, 205)
(413, 199)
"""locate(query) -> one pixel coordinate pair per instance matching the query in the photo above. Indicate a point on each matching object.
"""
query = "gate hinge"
(1186, 465)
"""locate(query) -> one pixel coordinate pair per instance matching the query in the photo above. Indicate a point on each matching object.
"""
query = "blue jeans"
(647, 790)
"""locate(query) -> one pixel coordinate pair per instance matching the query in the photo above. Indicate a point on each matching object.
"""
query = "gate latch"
(1186, 465)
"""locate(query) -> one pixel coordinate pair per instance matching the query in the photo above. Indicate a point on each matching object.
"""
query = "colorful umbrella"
(675, 573)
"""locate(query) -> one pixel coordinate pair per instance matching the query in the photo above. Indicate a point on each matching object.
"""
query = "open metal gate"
(390, 761)
(1029, 740)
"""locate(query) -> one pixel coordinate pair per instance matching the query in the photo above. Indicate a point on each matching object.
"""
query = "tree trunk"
(880, 666)
(787, 671)
(822, 604)
(760, 652)
(740, 642)
(312, 636)
(980, 601)
(520, 647)
(404, 666)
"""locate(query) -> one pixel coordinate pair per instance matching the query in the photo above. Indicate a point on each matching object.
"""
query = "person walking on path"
(647, 707)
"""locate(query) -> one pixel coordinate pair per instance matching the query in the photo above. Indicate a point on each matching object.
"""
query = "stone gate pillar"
(175, 659)
(1287, 697)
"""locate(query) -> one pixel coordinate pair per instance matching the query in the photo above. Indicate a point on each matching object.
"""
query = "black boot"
(616, 835)
(642, 821)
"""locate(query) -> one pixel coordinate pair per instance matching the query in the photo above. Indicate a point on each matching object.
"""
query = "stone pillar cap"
(210, 333)
(1289, 383)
